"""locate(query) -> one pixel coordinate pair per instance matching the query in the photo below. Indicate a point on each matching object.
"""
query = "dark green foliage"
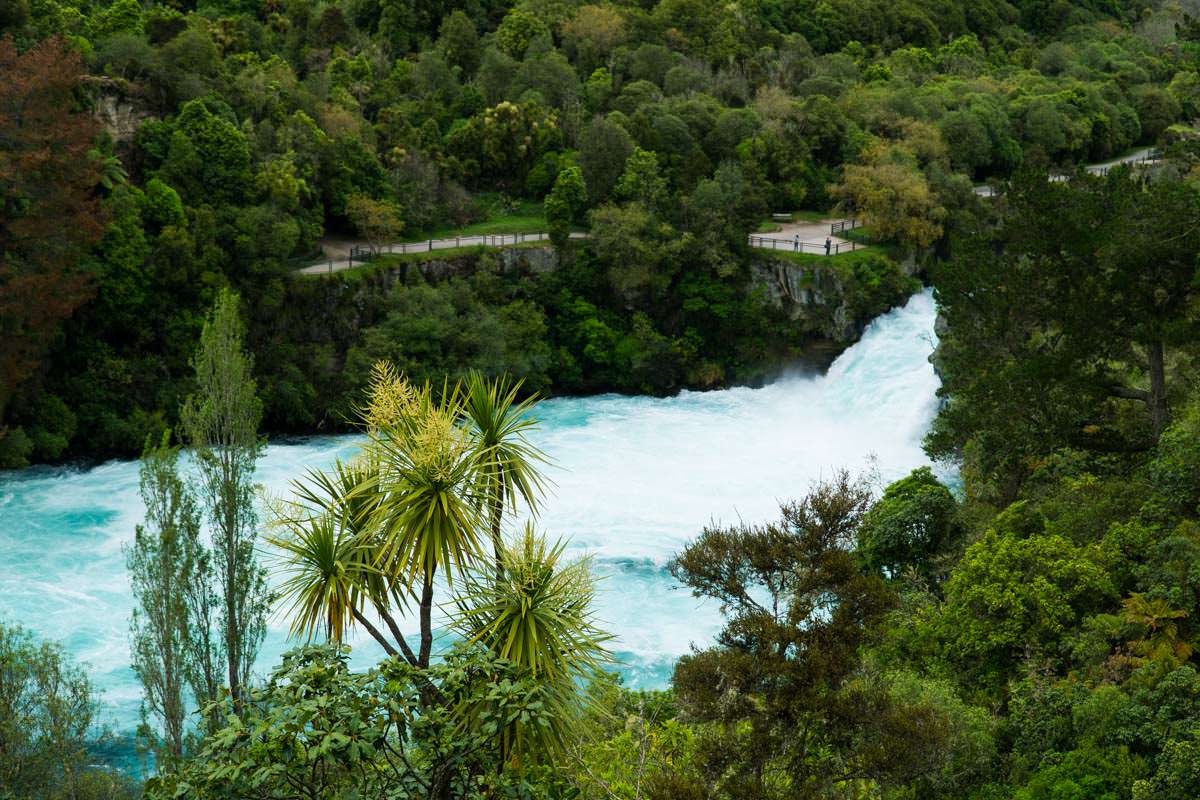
(565, 203)
(604, 147)
(1178, 773)
(911, 525)
(873, 286)
(1069, 340)
(1085, 775)
(207, 156)
(1013, 596)
(1072, 613)
(1175, 468)
(564, 330)
(780, 685)
(450, 328)
(239, 132)
(316, 729)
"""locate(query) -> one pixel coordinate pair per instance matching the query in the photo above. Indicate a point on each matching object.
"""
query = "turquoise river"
(634, 479)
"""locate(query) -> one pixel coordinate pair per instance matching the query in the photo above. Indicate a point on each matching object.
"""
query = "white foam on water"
(635, 479)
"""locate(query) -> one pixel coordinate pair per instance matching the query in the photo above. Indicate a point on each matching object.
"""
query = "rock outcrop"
(117, 108)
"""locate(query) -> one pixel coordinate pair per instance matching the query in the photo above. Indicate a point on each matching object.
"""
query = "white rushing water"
(635, 478)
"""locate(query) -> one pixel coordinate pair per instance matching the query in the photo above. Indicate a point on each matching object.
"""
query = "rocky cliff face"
(335, 308)
(830, 305)
(814, 297)
(940, 328)
(116, 108)
(119, 117)
(834, 300)
(522, 259)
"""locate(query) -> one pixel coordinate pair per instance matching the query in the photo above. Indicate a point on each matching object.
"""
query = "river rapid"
(635, 478)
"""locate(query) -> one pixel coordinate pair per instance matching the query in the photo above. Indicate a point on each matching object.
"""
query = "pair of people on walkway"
(796, 244)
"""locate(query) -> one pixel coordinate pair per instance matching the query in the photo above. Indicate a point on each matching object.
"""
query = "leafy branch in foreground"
(319, 730)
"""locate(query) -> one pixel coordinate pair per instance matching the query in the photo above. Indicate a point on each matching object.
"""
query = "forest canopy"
(221, 144)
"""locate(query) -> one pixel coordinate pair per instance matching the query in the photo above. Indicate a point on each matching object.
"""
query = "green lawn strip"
(813, 216)
(525, 217)
(863, 235)
(841, 260)
(497, 225)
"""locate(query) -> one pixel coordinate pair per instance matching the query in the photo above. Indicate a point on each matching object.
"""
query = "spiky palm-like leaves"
(433, 480)
(1162, 640)
(508, 464)
(323, 576)
(327, 544)
(378, 531)
(538, 616)
(428, 514)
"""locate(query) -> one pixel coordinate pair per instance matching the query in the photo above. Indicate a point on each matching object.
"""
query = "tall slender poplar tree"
(221, 423)
(162, 562)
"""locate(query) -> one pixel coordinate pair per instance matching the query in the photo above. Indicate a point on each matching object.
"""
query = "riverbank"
(545, 315)
(634, 478)
(570, 322)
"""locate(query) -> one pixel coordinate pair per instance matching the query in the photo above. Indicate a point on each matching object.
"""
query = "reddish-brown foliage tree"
(49, 212)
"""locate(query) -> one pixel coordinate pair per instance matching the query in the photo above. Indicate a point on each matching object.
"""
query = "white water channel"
(635, 478)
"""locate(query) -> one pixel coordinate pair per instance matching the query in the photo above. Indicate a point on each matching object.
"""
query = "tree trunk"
(497, 520)
(1157, 401)
(397, 635)
(375, 634)
(426, 621)
(232, 648)
(171, 628)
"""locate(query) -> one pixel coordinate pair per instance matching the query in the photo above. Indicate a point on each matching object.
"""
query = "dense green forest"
(230, 138)
(1029, 633)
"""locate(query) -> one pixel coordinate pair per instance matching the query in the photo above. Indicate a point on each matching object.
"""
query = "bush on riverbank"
(48, 725)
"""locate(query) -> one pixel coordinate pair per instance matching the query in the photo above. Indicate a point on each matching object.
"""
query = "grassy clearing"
(525, 216)
(865, 236)
(842, 260)
(861, 235)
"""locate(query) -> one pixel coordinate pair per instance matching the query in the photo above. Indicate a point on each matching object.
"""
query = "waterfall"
(634, 479)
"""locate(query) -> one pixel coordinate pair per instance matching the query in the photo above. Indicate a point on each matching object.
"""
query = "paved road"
(1147, 155)
(337, 251)
(812, 234)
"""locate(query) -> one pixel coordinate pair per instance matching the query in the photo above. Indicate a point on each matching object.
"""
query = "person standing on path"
(796, 244)
(828, 243)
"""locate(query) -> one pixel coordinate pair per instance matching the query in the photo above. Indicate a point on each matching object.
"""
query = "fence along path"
(360, 252)
(809, 237)
(812, 240)
(1143, 157)
(802, 237)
